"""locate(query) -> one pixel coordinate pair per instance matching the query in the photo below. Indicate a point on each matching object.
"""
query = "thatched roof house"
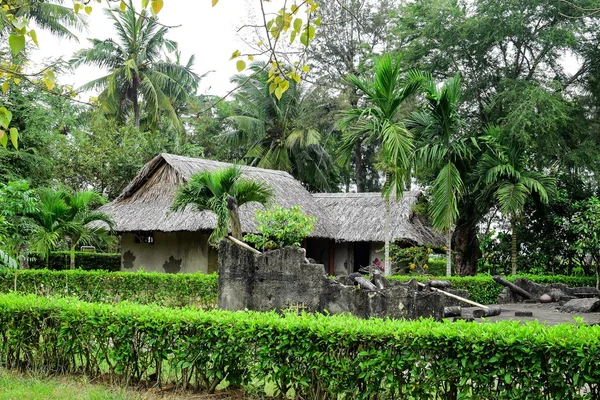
(360, 217)
(145, 203)
(348, 232)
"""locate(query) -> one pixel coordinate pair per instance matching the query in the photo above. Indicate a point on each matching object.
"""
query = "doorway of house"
(361, 255)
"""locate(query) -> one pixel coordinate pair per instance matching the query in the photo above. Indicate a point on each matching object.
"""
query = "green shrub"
(280, 227)
(483, 289)
(316, 356)
(199, 290)
(59, 260)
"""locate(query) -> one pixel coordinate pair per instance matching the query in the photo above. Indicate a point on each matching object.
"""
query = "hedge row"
(198, 290)
(308, 356)
(61, 260)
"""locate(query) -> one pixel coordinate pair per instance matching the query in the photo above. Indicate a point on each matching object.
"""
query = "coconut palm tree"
(69, 217)
(379, 123)
(278, 134)
(442, 150)
(222, 191)
(504, 177)
(139, 78)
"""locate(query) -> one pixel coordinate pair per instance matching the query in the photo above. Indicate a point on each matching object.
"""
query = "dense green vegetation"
(200, 290)
(60, 260)
(484, 112)
(315, 356)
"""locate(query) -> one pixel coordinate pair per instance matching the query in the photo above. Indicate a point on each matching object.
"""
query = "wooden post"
(513, 288)
(331, 257)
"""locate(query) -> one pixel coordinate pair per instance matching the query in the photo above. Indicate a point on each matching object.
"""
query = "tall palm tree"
(442, 150)
(139, 78)
(70, 217)
(504, 176)
(278, 134)
(379, 123)
(222, 191)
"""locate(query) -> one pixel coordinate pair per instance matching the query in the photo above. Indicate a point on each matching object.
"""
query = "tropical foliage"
(278, 133)
(280, 227)
(139, 79)
(222, 191)
(69, 217)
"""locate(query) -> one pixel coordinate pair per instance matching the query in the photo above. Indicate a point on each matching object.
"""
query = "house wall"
(343, 259)
(173, 252)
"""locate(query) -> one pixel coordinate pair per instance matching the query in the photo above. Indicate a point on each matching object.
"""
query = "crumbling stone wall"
(282, 279)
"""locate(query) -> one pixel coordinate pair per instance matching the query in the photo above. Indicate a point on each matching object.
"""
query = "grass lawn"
(15, 386)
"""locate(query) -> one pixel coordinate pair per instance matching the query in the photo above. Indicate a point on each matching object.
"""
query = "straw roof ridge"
(144, 205)
(361, 217)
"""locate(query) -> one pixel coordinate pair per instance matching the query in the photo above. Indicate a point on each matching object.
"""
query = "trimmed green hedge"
(199, 290)
(483, 289)
(314, 356)
(87, 261)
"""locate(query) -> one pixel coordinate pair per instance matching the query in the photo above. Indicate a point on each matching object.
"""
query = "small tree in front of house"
(222, 191)
(281, 227)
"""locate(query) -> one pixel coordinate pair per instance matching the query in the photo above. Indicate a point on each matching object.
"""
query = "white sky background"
(209, 33)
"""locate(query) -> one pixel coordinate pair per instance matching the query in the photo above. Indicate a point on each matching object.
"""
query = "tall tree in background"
(222, 191)
(139, 78)
(442, 150)
(505, 176)
(355, 31)
(510, 56)
(378, 122)
(278, 133)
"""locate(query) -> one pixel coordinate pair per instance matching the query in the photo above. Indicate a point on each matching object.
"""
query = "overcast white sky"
(208, 32)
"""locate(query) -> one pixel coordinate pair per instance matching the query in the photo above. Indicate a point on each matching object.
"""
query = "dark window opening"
(144, 237)
(361, 255)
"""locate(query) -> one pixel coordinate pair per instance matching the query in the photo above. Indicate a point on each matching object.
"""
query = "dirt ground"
(548, 313)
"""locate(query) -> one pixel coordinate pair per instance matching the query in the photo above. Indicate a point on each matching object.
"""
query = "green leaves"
(280, 227)
(16, 43)
(316, 356)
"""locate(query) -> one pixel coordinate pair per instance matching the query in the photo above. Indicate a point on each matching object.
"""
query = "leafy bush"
(87, 261)
(198, 290)
(280, 227)
(410, 259)
(316, 356)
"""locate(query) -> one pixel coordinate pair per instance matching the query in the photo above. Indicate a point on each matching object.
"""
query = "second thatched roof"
(360, 217)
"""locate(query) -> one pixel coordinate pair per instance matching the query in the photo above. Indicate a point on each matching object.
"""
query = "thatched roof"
(361, 217)
(144, 204)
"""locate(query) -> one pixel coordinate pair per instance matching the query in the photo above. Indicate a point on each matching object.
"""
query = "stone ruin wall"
(282, 279)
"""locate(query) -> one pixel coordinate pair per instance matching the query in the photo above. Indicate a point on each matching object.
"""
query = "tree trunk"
(513, 246)
(234, 218)
(387, 267)
(448, 253)
(73, 244)
(466, 248)
(360, 184)
(136, 105)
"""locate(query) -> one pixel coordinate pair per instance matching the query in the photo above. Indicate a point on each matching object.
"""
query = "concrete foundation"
(282, 279)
